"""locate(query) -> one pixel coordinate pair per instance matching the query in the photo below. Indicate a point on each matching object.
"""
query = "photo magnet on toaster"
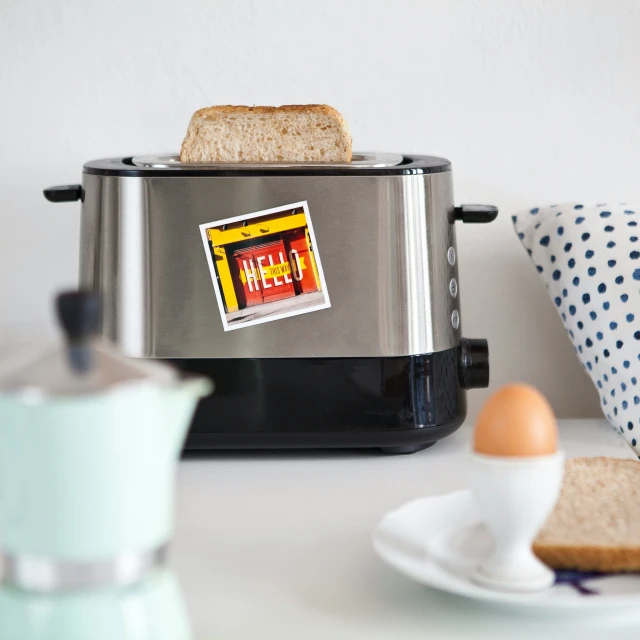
(265, 266)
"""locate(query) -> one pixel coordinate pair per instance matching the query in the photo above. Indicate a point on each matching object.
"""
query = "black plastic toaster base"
(395, 404)
(393, 443)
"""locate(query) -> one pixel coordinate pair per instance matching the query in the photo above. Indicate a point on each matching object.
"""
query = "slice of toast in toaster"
(287, 134)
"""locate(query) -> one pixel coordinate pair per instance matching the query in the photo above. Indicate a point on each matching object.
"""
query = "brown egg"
(517, 420)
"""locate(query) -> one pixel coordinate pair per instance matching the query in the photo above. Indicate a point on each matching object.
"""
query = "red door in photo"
(301, 261)
(247, 278)
(274, 271)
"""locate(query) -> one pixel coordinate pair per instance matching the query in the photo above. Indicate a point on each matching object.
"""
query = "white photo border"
(257, 214)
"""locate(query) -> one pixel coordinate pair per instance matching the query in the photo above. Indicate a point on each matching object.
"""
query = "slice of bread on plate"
(289, 134)
(595, 526)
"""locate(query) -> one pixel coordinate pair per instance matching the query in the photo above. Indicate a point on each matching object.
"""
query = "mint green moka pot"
(153, 609)
(89, 442)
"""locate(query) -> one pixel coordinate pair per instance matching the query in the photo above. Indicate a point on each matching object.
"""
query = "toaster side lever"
(66, 193)
(476, 213)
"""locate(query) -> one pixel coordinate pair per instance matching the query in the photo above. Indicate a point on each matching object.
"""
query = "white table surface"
(278, 545)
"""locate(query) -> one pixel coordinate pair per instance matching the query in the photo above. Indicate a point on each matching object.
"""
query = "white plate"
(438, 541)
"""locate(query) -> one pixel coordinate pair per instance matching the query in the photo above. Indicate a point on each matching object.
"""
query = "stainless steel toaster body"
(386, 240)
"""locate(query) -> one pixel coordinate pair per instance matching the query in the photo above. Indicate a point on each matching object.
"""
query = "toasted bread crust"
(288, 108)
(221, 112)
(591, 559)
(595, 526)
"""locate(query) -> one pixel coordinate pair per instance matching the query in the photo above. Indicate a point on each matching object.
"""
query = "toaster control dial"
(473, 364)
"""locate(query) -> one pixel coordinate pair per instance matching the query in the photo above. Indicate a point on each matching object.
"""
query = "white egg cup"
(515, 496)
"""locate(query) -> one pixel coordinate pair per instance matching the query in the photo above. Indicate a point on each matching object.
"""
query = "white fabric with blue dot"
(589, 259)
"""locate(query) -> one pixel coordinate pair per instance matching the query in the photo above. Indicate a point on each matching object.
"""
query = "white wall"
(533, 101)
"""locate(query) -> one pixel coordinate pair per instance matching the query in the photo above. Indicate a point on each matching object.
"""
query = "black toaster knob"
(473, 363)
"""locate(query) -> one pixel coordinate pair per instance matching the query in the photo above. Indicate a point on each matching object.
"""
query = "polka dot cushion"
(589, 258)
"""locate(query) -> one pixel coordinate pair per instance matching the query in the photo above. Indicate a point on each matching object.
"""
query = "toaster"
(322, 299)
